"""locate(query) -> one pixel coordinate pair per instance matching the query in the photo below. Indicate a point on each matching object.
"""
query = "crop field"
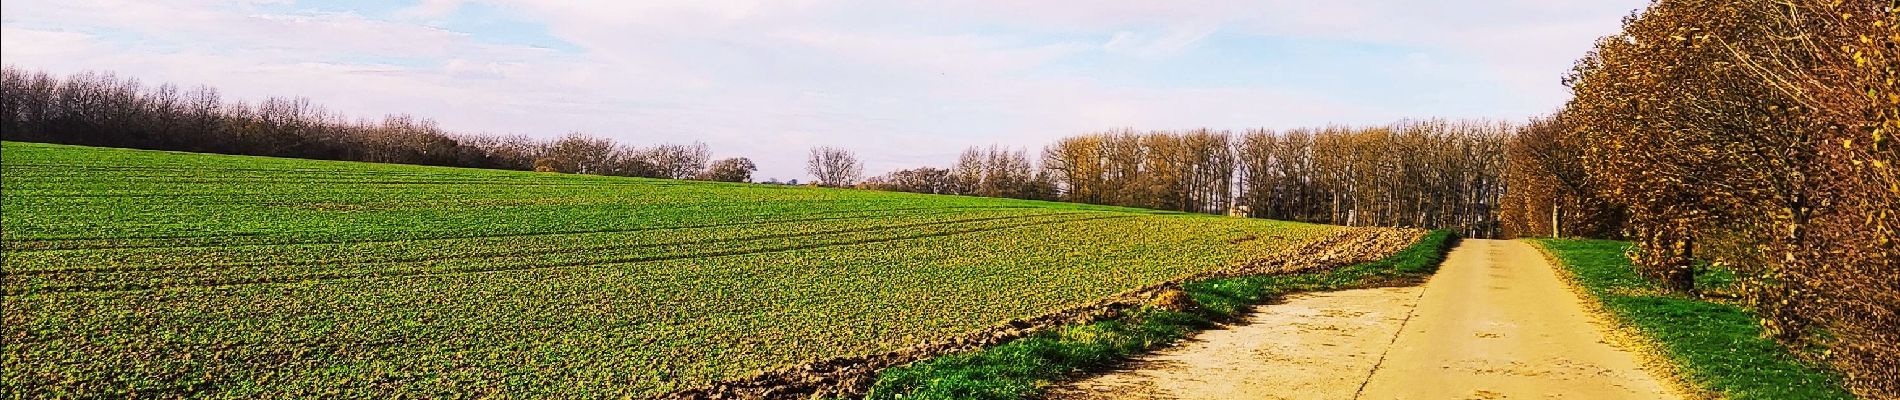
(174, 274)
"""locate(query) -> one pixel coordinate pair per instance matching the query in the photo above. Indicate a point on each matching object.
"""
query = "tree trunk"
(1556, 215)
(1681, 274)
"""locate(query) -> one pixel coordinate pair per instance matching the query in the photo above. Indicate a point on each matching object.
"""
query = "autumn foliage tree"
(1757, 135)
(1550, 194)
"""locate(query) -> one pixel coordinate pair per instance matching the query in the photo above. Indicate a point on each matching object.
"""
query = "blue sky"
(904, 83)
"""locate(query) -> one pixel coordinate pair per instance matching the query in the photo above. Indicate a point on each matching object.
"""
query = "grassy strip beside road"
(1718, 347)
(1021, 368)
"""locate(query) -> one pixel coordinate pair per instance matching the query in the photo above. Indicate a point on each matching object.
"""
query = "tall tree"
(677, 161)
(834, 167)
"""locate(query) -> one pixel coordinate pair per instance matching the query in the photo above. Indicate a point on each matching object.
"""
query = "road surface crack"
(1389, 344)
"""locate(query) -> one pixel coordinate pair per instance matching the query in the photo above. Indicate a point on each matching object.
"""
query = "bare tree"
(834, 166)
(102, 109)
(677, 161)
(580, 153)
(730, 170)
(917, 180)
(1432, 173)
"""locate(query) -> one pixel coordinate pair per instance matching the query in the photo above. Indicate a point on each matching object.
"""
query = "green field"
(166, 274)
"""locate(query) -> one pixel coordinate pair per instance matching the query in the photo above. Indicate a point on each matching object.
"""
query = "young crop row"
(185, 273)
(199, 257)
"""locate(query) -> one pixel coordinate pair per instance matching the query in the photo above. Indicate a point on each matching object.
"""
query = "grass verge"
(1717, 348)
(1022, 367)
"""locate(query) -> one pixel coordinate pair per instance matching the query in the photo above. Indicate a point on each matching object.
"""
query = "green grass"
(1020, 368)
(1719, 347)
(188, 275)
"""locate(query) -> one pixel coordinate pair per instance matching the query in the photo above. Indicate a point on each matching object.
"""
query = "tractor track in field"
(515, 252)
(14, 245)
(12, 291)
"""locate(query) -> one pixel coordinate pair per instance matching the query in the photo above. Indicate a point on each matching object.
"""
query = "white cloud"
(430, 9)
(906, 83)
(38, 44)
(1152, 44)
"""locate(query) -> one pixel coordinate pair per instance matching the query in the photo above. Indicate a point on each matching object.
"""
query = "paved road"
(1494, 323)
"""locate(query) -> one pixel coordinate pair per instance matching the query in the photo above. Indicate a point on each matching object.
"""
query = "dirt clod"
(1173, 299)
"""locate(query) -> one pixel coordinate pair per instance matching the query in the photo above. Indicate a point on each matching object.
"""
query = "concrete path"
(1494, 323)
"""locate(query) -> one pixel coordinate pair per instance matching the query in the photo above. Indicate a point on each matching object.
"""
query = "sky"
(903, 83)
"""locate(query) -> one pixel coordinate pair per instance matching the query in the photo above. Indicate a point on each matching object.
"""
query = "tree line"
(1425, 174)
(1750, 135)
(1432, 174)
(994, 171)
(102, 109)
